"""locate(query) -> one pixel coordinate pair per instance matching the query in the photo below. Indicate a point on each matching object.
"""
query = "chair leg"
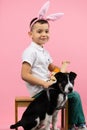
(62, 118)
(66, 116)
(16, 113)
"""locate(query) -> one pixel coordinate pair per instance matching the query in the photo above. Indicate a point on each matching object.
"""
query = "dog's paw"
(55, 129)
(42, 128)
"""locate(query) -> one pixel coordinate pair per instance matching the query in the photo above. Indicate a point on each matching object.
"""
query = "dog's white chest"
(61, 100)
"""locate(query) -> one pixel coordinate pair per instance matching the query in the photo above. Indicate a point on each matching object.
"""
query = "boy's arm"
(56, 69)
(28, 77)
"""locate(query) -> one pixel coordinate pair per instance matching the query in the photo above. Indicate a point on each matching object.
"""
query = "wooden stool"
(25, 101)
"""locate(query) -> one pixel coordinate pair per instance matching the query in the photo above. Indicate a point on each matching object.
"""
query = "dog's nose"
(70, 89)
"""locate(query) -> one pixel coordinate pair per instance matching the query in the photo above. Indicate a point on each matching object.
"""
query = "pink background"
(68, 42)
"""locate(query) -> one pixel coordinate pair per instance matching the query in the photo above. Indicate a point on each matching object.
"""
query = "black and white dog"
(43, 110)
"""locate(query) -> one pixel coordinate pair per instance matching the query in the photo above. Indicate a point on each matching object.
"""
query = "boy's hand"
(48, 83)
(64, 66)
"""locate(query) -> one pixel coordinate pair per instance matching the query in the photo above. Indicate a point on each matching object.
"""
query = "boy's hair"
(35, 20)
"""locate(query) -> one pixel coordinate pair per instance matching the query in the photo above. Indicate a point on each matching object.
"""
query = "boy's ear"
(30, 33)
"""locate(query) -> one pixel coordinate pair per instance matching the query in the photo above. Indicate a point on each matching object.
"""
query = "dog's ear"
(59, 76)
(72, 75)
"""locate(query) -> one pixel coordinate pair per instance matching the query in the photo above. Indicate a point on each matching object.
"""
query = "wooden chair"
(25, 101)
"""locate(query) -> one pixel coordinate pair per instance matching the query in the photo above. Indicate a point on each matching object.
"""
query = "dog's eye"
(64, 82)
(72, 81)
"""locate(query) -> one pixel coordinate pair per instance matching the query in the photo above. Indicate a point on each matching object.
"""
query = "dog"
(43, 109)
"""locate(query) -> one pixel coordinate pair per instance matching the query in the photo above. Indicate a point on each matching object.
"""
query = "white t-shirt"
(39, 59)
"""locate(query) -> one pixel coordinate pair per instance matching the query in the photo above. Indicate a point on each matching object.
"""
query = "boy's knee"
(74, 96)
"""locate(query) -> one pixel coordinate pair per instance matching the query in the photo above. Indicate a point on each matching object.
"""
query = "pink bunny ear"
(55, 16)
(43, 10)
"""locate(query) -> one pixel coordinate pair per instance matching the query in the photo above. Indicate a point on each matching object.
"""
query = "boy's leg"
(76, 115)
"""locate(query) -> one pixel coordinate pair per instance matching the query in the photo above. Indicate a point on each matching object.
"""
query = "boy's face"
(40, 33)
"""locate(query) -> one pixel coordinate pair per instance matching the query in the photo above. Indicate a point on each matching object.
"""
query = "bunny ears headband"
(42, 12)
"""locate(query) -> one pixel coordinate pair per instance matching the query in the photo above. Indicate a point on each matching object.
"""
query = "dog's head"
(65, 81)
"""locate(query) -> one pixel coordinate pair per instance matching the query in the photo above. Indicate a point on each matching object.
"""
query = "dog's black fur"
(44, 106)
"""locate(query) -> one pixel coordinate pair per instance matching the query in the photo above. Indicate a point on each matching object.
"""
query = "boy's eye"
(47, 31)
(39, 31)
